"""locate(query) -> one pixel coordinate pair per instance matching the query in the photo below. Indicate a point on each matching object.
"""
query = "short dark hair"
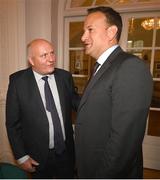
(112, 17)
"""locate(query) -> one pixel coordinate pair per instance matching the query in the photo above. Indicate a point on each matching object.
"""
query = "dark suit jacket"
(26, 119)
(112, 117)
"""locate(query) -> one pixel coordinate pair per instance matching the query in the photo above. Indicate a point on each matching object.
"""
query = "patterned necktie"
(59, 143)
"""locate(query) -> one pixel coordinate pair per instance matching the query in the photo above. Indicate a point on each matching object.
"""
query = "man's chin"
(87, 52)
(50, 72)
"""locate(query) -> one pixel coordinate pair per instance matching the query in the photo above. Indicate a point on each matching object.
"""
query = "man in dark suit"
(29, 123)
(113, 111)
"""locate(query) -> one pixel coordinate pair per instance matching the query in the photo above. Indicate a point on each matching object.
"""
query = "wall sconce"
(150, 24)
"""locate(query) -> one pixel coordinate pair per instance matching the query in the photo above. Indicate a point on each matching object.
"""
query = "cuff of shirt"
(23, 159)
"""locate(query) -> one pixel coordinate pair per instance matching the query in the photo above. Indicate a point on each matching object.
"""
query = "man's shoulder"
(19, 73)
(59, 71)
(124, 57)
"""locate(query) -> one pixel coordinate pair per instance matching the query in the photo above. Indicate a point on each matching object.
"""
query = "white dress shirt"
(103, 57)
(53, 86)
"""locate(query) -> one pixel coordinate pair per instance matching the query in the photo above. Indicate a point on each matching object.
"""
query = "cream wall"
(12, 58)
(20, 22)
(38, 19)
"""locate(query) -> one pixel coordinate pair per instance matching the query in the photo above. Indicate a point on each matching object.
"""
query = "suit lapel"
(34, 91)
(110, 60)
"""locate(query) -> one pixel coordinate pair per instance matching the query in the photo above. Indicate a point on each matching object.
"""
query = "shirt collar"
(39, 76)
(103, 57)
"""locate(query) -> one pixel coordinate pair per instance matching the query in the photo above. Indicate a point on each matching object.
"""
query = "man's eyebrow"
(87, 27)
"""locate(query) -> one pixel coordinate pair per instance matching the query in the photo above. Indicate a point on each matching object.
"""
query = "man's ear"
(112, 32)
(30, 61)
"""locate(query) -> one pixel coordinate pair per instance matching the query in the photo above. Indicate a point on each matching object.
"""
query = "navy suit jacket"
(26, 120)
(111, 119)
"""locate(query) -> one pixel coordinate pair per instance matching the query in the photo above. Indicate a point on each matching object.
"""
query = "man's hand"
(29, 165)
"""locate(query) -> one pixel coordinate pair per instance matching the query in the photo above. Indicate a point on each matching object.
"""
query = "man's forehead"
(94, 18)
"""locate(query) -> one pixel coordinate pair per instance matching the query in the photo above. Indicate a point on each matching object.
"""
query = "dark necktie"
(59, 143)
(96, 65)
(94, 69)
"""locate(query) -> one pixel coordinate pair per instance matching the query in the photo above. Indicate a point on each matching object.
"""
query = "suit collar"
(111, 59)
(103, 57)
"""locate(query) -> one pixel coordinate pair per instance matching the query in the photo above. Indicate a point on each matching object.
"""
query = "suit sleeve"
(74, 95)
(131, 97)
(13, 120)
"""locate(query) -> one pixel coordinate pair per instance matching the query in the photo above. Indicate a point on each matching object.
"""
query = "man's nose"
(51, 56)
(83, 37)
